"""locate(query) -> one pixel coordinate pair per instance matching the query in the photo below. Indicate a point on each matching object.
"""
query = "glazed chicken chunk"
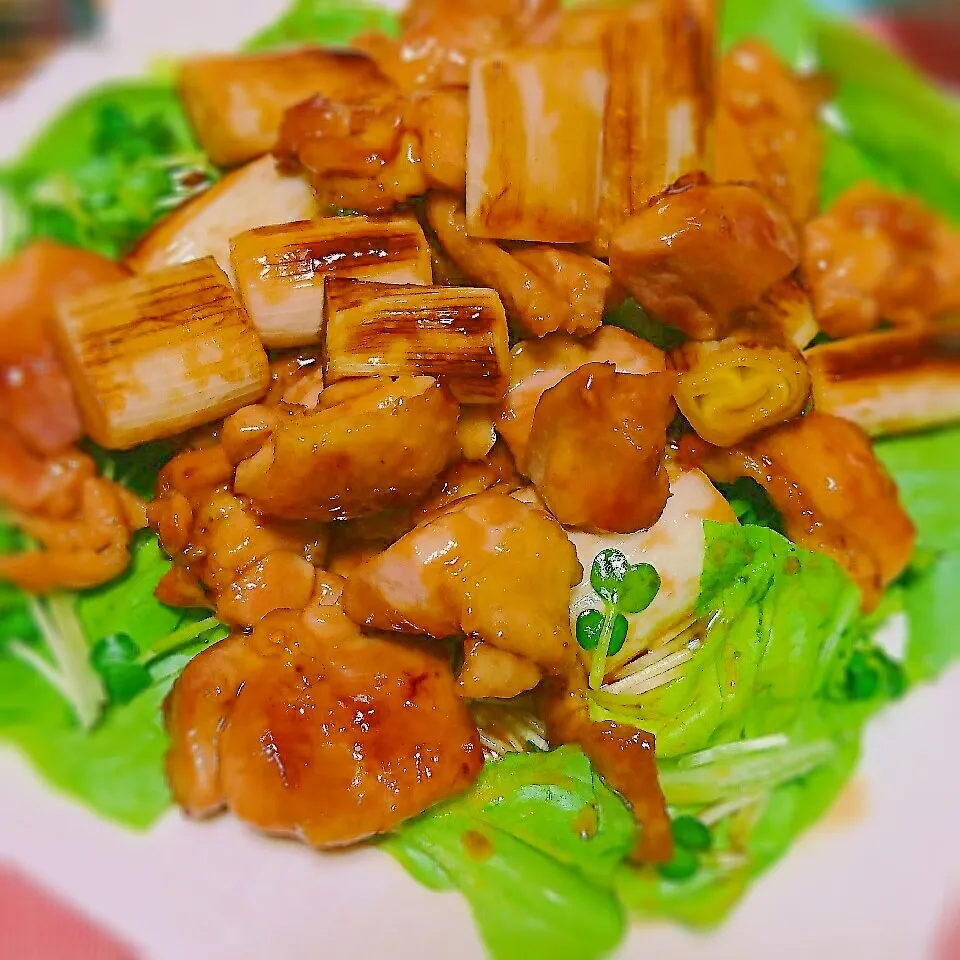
(833, 493)
(596, 448)
(876, 256)
(701, 253)
(371, 444)
(538, 365)
(308, 728)
(490, 567)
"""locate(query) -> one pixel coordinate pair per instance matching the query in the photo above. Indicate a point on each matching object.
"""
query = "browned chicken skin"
(596, 448)
(876, 256)
(700, 253)
(833, 493)
(489, 567)
(83, 550)
(308, 728)
(381, 447)
(225, 554)
(356, 151)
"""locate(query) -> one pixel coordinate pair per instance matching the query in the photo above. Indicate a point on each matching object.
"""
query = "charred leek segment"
(248, 197)
(890, 382)
(734, 390)
(787, 307)
(659, 118)
(156, 355)
(236, 103)
(534, 145)
(456, 334)
(280, 269)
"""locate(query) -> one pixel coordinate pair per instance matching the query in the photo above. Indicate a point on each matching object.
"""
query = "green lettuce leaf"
(778, 629)
(534, 847)
(925, 467)
(116, 767)
(906, 132)
(330, 22)
(105, 170)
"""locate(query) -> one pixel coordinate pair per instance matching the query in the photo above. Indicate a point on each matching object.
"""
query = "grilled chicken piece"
(30, 483)
(529, 298)
(250, 196)
(622, 755)
(767, 129)
(674, 546)
(440, 119)
(489, 672)
(36, 398)
(236, 103)
(701, 253)
(534, 144)
(891, 382)
(440, 40)
(467, 478)
(490, 567)
(32, 282)
(732, 389)
(833, 493)
(156, 355)
(355, 149)
(280, 269)
(247, 566)
(84, 550)
(543, 288)
(658, 124)
(225, 554)
(878, 256)
(456, 334)
(378, 444)
(308, 728)
(580, 280)
(538, 365)
(596, 448)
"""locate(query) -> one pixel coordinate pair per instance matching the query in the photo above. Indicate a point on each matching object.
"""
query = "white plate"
(876, 880)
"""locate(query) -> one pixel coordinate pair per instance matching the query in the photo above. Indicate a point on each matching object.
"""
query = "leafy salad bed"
(760, 735)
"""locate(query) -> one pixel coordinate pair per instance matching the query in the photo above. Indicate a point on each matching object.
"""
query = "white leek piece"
(534, 144)
(250, 196)
(660, 60)
(280, 269)
(891, 382)
(156, 355)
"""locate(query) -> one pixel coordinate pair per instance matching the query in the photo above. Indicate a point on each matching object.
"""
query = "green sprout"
(624, 588)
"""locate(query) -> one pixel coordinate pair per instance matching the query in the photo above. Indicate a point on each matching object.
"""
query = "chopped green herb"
(692, 834)
(115, 658)
(683, 866)
(589, 628)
